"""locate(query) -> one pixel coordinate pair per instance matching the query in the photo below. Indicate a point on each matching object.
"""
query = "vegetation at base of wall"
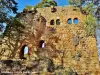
(66, 71)
(90, 24)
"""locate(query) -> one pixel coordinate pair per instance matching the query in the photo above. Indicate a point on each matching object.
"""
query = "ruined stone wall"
(79, 50)
(62, 13)
(73, 39)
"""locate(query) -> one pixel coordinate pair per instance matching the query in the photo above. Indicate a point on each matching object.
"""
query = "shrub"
(90, 25)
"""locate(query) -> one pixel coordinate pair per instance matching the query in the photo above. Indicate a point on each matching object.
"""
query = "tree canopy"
(90, 25)
(46, 3)
(41, 4)
(75, 2)
(6, 7)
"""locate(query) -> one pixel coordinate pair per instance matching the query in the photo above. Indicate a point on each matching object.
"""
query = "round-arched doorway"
(23, 51)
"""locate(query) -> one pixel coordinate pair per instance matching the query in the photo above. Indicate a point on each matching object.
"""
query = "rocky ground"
(39, 67)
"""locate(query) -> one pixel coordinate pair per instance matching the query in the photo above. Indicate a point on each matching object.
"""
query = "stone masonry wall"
(79, 51)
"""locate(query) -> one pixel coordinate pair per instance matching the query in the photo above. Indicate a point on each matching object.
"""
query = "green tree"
(28, 7)
(88, 8)
(43, 3)
(13, 32)
(46, 3)
(6, 7)
(85, 7)
(75, 2)
(90, 25)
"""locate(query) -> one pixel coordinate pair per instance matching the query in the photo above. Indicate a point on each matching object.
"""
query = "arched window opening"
(58, 22)
(41, 44)
(23, 52)
(69, 21)
(52, 22)
(75, 20)
(26, 50)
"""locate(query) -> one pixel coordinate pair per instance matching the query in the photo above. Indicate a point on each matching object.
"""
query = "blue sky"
(23, 3)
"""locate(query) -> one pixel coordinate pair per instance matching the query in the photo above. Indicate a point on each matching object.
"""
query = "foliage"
(85, 6)
(46, 3)
(9, 5)
(97, 14)
(75, 2)
(6, 7)
(13, 26)
(51, 66)
(13, 32)
(71, 72)
(66, 71)
(88, 8)
(28, 7)
(1, 27)
(90, 25)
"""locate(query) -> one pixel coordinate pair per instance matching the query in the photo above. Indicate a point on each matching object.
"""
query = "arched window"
(58, 22)
(75, 20)
(41, 44)
(69, 21)
(24, 50)
(52, 22)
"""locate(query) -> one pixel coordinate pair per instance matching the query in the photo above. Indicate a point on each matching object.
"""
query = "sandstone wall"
(62, 13)
(73, 39)
(78, 50)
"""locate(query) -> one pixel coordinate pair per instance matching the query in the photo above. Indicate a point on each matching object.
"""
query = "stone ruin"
(58, 33)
